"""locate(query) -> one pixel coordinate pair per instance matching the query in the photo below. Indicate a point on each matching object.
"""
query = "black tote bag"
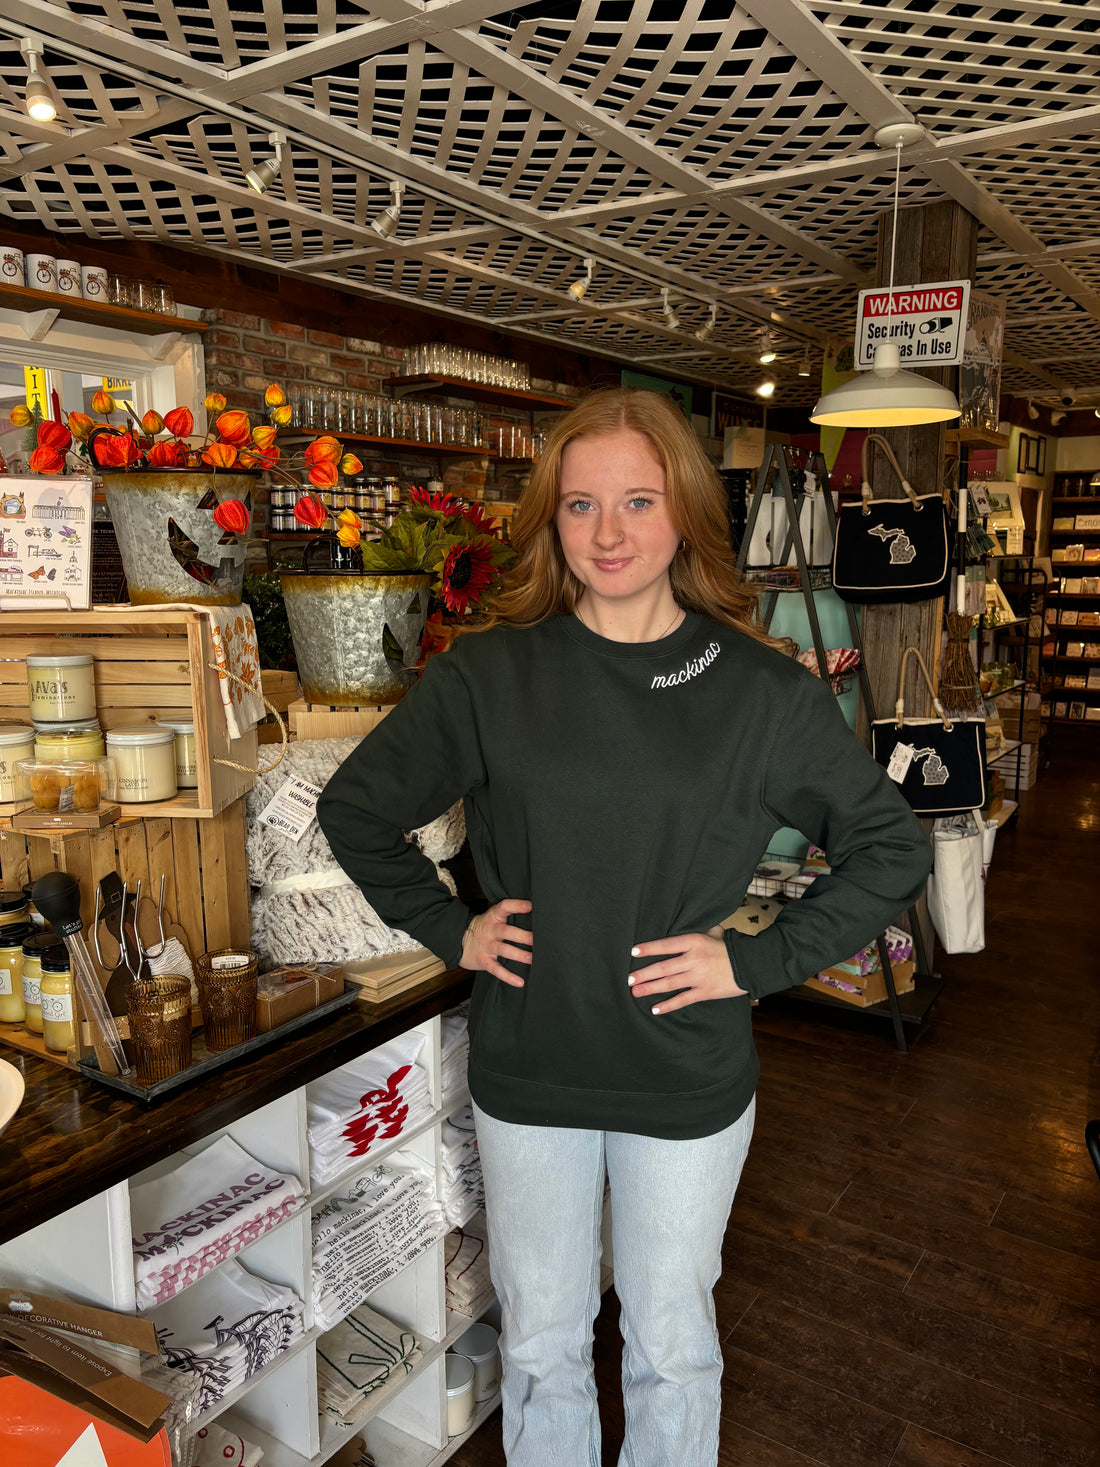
(946, 773)
(891, 549)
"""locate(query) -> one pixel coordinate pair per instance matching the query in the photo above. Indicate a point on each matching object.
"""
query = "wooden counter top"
(72, 1138)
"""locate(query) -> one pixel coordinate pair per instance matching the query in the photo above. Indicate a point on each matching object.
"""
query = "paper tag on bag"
(292, 809)
(900, 761)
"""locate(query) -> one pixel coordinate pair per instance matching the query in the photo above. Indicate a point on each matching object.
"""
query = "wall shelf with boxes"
(1073, 609)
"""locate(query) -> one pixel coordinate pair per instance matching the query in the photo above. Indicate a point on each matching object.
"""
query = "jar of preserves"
(35, 947)
(145, 762)
(33, 914)
(12, 1010)
(82, 740)
(61, 688)
(57, 1001)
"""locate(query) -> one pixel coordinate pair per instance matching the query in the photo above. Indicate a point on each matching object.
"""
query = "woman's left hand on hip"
(696, 963)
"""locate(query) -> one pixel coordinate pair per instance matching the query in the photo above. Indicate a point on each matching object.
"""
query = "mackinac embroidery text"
(689, 670)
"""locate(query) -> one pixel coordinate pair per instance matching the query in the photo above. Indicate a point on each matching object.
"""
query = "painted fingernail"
(655, 1011)
(635, 952)
(630, 978)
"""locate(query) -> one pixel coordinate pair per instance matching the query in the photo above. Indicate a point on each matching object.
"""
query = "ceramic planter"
(171, 549)
(356, 637)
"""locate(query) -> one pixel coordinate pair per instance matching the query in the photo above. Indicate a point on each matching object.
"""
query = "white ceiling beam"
(41, 18)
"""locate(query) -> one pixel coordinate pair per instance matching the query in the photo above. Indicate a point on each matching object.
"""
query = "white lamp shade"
(886, 397)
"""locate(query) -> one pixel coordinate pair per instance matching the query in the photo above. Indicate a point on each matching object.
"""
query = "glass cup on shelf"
(159, 1011)
(166, 300)
(227, 980)
(119, 290)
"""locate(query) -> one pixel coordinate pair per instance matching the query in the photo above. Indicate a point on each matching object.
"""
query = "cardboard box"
(285, 993)
(865, 991)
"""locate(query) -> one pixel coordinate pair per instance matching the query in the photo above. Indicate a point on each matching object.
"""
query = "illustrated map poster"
(46, 539)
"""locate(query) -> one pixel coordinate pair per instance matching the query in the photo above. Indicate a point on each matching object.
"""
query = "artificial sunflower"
(468, 572)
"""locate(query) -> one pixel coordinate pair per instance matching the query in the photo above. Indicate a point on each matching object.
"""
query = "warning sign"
(927, 321)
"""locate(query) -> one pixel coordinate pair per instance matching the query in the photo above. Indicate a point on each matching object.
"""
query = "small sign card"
(927, 321)
(292, 808)
(46, 540)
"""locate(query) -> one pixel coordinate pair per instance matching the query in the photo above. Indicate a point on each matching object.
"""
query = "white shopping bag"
(956, 887)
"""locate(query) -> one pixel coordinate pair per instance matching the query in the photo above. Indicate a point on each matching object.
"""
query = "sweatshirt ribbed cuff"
(758, 962)
(442, 932)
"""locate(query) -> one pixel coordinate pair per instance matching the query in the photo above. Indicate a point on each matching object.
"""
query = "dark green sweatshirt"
(627, 790)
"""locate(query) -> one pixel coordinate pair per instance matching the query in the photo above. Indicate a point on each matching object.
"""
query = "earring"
(683, 544)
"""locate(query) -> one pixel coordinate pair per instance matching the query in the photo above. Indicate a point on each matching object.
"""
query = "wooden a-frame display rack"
(775, 475)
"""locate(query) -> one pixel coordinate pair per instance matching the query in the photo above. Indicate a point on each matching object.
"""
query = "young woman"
(626, 740)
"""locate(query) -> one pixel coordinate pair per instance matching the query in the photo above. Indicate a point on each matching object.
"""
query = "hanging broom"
(958, 688)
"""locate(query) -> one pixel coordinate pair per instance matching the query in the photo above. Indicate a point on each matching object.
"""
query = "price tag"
(900, 761)
(292, 809)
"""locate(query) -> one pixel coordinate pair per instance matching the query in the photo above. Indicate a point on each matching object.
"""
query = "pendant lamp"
(887, 397)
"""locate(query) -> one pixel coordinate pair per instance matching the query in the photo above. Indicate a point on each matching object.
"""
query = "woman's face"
(612, 517)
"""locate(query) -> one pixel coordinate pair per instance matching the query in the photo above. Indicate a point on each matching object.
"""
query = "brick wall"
(245, 352)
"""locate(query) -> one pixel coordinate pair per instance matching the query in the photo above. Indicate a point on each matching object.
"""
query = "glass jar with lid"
(187, 772)
(56, 988)
(144, 757)
(12, 1010)
(33, 914)
(61, 687)
(16, 742)
(13, 909)
(83, 740)
(36, 945)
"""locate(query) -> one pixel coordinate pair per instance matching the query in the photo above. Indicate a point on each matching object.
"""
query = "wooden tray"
(205, 1062)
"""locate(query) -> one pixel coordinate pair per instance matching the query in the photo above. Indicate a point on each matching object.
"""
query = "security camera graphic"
(936, 323)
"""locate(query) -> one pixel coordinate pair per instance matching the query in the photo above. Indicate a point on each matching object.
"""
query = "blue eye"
(640, 500)
(579, 505)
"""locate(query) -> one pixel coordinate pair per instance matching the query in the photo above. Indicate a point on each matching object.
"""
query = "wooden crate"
(280, 689)
(206, 893)
(149, 666)
(327, 721)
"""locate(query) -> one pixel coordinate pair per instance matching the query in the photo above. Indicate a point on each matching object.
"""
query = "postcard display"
(46, 540)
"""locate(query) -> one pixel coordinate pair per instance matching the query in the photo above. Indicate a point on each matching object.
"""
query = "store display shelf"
(1076, 595)
(459, 387)
(1001, 692)
(373, 1157)
(1076, 499)
(470, 450)
(1064, 657)
(455, 1101)
(915, 1006)
(1010, 747)
(303, 1342)
(1006, 812)
(975, 438)
(1078, 722)
(95, 313)
(1070, 534)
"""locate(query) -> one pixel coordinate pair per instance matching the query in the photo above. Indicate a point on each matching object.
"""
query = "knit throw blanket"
(315, 914)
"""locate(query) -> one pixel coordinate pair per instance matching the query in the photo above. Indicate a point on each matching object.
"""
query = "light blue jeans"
(670, 1201)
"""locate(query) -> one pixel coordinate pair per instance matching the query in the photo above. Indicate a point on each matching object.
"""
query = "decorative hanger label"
(900, 761)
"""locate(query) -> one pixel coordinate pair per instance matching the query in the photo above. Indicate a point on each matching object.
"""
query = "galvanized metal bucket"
(171, 549)
(356, 637)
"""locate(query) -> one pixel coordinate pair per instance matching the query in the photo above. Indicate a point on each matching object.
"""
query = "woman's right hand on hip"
(489, 938)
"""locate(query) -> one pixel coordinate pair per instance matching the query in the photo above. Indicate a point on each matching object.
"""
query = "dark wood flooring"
(912, 1268)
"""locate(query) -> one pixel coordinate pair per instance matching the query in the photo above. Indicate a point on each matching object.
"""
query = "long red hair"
(703, 573)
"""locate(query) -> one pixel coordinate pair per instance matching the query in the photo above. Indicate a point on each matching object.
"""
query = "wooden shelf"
(1075, 499)
(976, 438)
(468, 449)
(95, 313)
(1077, 595)
(430, 382)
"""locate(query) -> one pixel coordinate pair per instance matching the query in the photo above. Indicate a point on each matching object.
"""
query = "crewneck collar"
(605, 647)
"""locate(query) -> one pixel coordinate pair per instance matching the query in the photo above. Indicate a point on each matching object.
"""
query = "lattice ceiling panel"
(964, 66)
(721, 148)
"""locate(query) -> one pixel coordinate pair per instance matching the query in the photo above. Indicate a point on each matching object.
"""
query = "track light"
(672, 320)
(1096, 412)
(804, 365)
(767, 350)
(579, 289)
(266, 172)
(386, 223)
(1032, 410)
(1057, 418)
(766, 388)
(37, 98)
(707, 328)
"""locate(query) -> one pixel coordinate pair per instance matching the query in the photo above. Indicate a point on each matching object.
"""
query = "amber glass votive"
(160, 1026)
(227, 980)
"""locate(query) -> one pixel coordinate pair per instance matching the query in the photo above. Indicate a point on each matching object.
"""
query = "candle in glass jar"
(61, 689)
(187, 774)
(16, 742)
(82, 740)
(57, 1001)
(145, 762)
(12, 1010)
